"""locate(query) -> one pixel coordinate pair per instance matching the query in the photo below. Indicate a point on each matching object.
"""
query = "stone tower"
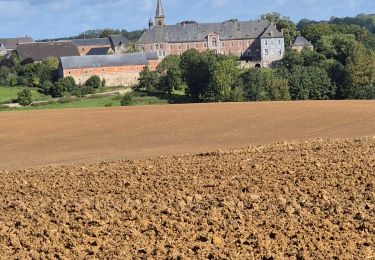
(159, 18)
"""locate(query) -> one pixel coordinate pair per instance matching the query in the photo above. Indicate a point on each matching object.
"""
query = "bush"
(126, 100)
(94, 82)
(68, 99)
(24, 97)
(81, 91)
(110, 104)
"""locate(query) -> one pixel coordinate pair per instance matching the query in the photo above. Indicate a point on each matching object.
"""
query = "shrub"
(24, 97)
(126, 100)
(94, 81)
(68, 99)
(110, 104)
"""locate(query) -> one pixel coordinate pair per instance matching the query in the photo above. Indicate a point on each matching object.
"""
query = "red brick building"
(256, 41)
(116, 70)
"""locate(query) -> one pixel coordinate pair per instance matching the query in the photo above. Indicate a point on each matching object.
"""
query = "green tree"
(52, 63)
(360, 71)
(24, 97)
(126, 100)
(148, 80)
(310, 83)
(62, 86)
(171, 74)
(94, 81)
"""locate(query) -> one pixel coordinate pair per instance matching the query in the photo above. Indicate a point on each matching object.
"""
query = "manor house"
(259, 42)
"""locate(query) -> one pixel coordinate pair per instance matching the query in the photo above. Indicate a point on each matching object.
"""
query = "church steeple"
(159, 18)
(150, 23)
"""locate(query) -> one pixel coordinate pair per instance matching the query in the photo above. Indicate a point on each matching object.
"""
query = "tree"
(62, 86)
(148, 80)
(24, 97)
(223, 76)
(94, 81)
(171, 75)
(360, 71)
(52, 63)
(106, 33)
(310, 83)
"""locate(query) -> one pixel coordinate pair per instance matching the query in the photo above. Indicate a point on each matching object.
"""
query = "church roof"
(301, 41)
(98, 61)
(185, 32)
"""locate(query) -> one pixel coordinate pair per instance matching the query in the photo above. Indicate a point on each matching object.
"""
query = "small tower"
(150, 23)
(159, 18)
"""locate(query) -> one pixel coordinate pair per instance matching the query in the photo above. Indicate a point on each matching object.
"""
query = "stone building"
(300, 43)
(10, 44)
(116, 70)
(102, 46)
(256, 41)
(96, 46)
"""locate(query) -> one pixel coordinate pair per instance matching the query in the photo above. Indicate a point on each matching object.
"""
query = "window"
(161, 46)
(179, 47)
(239, 44)
(188, 46)
(163, 53)
(222, 44)
(157, 46)
(151, 47)
(205, 45)
(232, 44)
(171, 47)
(265, 42)
(214, 42)
(279, 52)
(266, 52)
(160, 53)
(272, 52)
(279, 42)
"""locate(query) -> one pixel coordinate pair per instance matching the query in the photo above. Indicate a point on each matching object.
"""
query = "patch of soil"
(307, 200)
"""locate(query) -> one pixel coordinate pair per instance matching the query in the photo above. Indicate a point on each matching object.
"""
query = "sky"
(43, 19)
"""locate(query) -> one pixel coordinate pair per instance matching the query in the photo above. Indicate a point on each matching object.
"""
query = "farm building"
(39, 51)
(301, 42)
(116, 70)
(10, 44)
(102, 46)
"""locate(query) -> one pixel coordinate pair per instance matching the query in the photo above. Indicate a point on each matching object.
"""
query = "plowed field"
(85, 199)
(60, 137)
(313, 200)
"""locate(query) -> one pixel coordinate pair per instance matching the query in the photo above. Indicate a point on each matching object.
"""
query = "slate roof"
(92, 42)
(98, 51)
(41, 50)
(159, 10)
(301, 41)
(11, 43)
(185, 32)
(98, 61)
(2, 47)
(118, 40)
(272, 32)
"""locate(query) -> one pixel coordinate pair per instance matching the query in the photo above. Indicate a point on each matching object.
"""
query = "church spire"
(159, 10)
(159, 18)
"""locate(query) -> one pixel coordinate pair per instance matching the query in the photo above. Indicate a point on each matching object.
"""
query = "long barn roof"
(190, 32)
(98, 61)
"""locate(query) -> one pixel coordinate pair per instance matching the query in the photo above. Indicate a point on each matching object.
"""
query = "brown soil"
(307, 200)
(60, 137)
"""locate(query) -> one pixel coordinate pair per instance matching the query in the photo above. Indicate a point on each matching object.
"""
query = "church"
(258, 42)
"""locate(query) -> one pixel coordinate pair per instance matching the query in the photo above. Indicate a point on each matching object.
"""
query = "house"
(94, 46)
(11, 44)
(3, 50)
(116, 70)
(40, 51)
(257, 41)
(119, 44)
(301, 42)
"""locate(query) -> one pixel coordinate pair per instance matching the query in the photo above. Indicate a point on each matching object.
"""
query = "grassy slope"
(7, 94)
(138, 99)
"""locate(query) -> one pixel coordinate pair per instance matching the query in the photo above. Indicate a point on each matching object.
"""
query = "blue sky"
(59, 18)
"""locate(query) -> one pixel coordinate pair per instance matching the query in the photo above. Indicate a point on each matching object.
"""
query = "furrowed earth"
(306, 199)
